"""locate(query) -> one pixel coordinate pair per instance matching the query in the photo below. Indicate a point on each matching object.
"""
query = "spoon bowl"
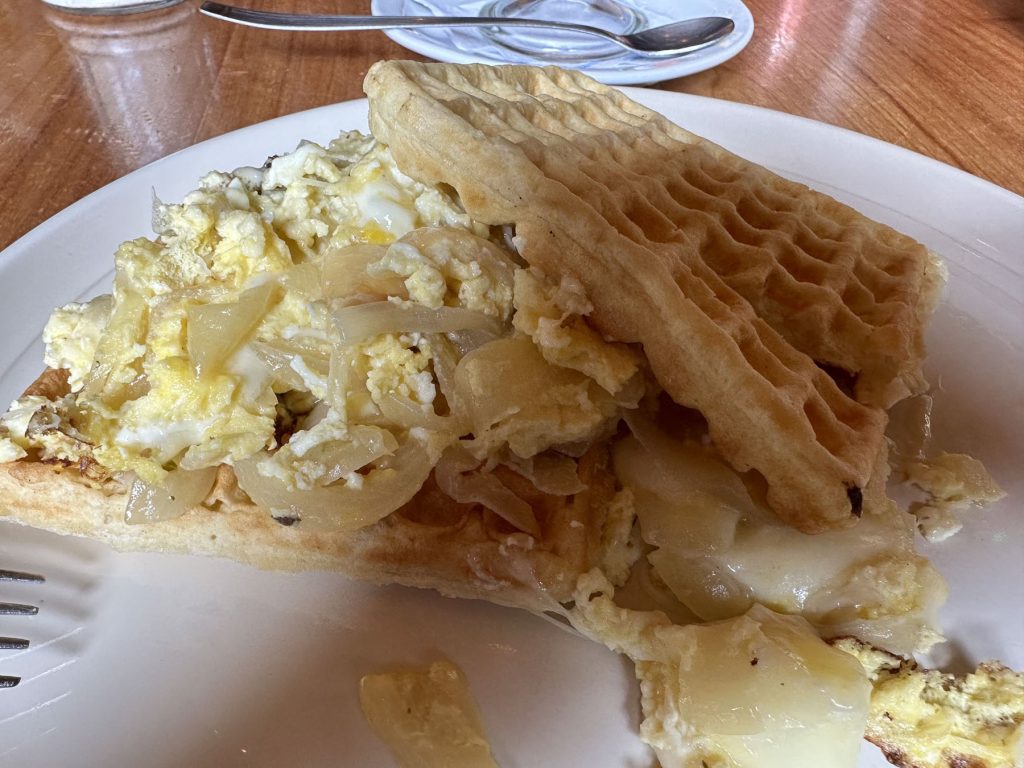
(675, 39)
(679, 36)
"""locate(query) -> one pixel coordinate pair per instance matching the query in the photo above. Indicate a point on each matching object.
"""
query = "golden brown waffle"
(843, 289)
(461, 550)
(597, 188)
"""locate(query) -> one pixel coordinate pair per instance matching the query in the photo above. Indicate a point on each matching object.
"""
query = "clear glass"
(147, 77)
(559, 45)
(110, 6)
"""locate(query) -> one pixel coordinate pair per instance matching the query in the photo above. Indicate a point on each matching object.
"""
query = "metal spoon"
(668, 40)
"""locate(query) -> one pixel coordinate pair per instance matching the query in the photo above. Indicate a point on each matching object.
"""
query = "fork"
(16, 609)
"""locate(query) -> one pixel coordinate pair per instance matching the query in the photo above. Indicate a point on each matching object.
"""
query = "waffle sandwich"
(735, 281)
(408, 357)
(344, 383)
(461, 550)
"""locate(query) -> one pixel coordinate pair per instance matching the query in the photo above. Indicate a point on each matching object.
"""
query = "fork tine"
(17, 609)
(21, 576)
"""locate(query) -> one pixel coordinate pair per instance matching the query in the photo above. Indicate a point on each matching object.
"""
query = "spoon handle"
(328, 23)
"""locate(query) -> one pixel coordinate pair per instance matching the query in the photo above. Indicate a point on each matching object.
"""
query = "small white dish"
(606, 63)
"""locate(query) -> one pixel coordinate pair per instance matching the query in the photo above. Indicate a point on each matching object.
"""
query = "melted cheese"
(760, 690)
(720, 552)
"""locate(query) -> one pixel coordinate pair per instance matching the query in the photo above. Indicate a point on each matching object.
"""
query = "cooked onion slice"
(445, 359)
(286, 360)
(303, 279)
(181, 491)
(344, 508)
(340, 380)
(480, 487)
(403, 412)
(343, 272)
(254, 374)
(278, 361)
(363, 321)
(549, 472)
(677, 470)
(466, 341)
(365, 444)
(318, 413)
(216, 330)
(632, 392)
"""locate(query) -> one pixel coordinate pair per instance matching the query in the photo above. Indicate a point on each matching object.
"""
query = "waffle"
(600, 189)
(461, 550)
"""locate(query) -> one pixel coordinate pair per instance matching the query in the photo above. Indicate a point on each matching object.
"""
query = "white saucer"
(469, 45)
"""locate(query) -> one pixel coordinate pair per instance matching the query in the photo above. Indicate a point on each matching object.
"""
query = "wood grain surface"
(85, 100)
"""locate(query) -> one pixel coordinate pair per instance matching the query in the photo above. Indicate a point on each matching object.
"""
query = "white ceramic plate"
(467, 45)
(159, 660)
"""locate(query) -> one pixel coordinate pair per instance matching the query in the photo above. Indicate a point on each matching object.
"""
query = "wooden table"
(86, 100)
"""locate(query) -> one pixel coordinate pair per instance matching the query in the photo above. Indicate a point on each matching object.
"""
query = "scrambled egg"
(184, 300)
(35, 423)
(953, 481)
(929, 719)
(268, 326)
(10, 450)
(310, 316)
(14, 428)
(444, 267)
(71, 336)
(552, 316)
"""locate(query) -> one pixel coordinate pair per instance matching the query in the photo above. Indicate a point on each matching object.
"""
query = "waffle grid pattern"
(780, 276)
(841, 288)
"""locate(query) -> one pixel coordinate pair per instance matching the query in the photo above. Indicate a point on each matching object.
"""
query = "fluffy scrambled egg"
(44, 426)
(445, 267)
(317, 316)
(926, 719)
(552, 316)
(186, 299)
(71, 336)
